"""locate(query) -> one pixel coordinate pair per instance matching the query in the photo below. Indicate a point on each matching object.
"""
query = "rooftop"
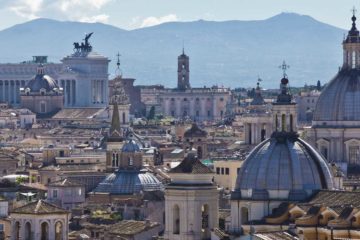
(39, 207)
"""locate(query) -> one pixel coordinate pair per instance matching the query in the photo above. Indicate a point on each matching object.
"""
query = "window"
(124, 118)
(42, 107)
(208, 113)
(227, 170)
(79, 192)
(354, 155)
(176, 220)
(218, 171)
(324, 151)
(131, 161)
(55, 193)
(222, 171)
(197, 113)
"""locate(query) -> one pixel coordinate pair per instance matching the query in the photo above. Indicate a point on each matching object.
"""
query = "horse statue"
(76, 46)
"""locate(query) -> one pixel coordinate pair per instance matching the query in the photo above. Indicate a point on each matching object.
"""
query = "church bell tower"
(183, 72)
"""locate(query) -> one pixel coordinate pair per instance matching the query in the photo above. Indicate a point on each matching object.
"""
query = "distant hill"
(230, 53)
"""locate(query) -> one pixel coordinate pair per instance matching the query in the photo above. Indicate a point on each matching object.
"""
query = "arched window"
(17, 231)
(113, 160)
(176, 216)
(58, 230)
(117, 160)
(354, 155)
(263, 134)
(124, 118)
(130, 161)
(44, 231)
(276, 122)
(283, 122)
(353, 60)
(28, 235)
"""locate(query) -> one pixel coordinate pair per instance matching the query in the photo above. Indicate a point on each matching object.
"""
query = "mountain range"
(229, 53)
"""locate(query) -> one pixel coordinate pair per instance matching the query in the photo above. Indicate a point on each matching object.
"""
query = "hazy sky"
(130, 14)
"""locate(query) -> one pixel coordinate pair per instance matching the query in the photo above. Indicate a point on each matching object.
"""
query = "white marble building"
(83, 75)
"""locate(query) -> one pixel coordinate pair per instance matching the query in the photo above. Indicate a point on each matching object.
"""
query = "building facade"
(199, 104)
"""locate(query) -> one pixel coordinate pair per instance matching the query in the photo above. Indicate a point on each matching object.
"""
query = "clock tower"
(183, 72)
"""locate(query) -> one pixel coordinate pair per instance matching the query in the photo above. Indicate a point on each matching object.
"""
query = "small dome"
(129, 182)
(343, 95)
(130, 146)
(195, 131)
(41, 81)
(283, 164)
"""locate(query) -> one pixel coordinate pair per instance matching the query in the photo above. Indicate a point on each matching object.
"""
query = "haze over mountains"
(230, 53)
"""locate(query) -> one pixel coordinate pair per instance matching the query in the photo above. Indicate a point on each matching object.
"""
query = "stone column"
(252, 133)
(74, 92)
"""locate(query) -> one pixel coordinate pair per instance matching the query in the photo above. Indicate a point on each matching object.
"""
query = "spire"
(353, 34)
(284, 97)
(351, 45)
(183, 48)
(353, 19)
(115, 130)
(118, 70)
(258, 99)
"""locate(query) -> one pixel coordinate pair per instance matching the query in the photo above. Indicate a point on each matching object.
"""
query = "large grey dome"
(340, 100)
(283, 165)
(129, 182)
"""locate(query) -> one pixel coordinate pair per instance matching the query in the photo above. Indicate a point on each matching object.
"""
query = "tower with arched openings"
(39, 220)
(191, 201)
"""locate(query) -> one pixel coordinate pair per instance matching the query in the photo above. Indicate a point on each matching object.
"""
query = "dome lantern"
(351, 46)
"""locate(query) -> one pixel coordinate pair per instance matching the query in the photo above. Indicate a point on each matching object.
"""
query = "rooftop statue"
(84, 46)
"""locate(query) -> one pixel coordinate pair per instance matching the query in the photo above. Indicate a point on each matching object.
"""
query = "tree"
(151, 114)
(318, 85)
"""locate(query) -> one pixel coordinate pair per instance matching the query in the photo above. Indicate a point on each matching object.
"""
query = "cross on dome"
(284, 67)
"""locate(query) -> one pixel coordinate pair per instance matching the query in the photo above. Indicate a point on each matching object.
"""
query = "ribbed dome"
(340, 100)
(41, 81)
(129, 182)
(283, 164)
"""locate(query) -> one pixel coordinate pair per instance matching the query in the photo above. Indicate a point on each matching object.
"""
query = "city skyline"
(128, 15)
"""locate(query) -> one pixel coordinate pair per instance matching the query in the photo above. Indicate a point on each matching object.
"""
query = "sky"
(132, 14)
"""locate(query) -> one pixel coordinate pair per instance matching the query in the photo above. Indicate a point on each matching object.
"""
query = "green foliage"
(20, 180)
(151, 114)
